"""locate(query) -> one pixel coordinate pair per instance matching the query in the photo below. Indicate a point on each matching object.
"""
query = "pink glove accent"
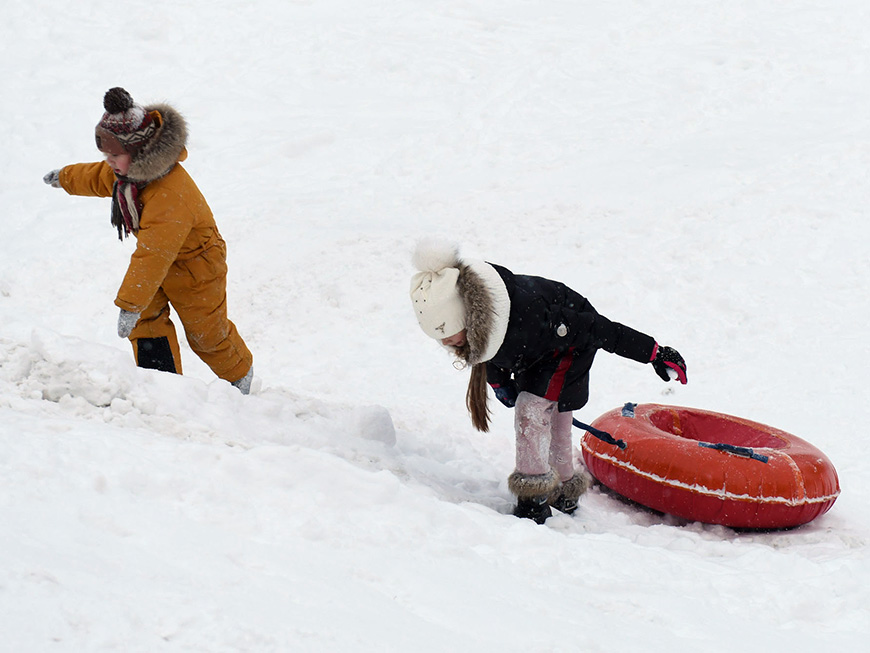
(681, 375)
(668, 364)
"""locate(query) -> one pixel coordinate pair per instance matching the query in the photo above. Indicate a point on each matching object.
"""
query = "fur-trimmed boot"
(533, 492)
(564, 497)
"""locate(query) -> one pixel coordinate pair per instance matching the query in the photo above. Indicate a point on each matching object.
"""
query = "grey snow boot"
(244, 384)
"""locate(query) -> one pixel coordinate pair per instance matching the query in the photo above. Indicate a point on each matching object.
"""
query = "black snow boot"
(564, 497)
(532, 492)
(565, 504)
(535, 508)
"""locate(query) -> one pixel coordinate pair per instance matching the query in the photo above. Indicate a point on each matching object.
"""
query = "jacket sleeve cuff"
(127, 306)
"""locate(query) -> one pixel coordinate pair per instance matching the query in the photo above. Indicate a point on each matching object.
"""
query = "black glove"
(668, 359)
(507, 393)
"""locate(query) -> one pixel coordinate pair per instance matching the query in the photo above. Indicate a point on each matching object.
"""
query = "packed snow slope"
(697, 169)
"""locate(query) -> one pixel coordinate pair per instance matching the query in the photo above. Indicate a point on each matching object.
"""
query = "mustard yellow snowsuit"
(180, 259)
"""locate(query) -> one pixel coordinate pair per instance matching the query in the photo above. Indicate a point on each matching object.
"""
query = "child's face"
(120, 163)
(456, 340)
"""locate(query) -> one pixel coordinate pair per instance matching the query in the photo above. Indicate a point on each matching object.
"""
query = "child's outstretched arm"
(598, 331)
(90, 179)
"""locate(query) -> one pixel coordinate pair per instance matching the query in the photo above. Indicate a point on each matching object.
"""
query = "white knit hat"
(437, 303)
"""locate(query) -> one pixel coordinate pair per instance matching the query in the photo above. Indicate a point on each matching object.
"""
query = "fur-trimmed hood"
(487, 309)
(165, 149)
(484, 296)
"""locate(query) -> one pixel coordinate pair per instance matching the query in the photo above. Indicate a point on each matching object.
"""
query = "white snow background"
(699, 170)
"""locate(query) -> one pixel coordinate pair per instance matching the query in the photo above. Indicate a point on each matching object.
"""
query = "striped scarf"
(125, 207)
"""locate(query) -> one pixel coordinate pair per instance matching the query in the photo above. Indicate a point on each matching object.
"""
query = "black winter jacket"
(552, 336)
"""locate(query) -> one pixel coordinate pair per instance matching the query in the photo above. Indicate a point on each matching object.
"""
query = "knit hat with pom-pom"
(125, 126)
(435, 295)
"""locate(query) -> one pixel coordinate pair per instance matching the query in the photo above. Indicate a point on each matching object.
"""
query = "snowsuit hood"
(166, 148)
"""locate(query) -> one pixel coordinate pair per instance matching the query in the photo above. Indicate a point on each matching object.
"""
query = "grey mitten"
(126, 322)
(52, 178)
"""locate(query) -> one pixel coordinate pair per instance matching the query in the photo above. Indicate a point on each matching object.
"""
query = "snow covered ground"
(698, 170)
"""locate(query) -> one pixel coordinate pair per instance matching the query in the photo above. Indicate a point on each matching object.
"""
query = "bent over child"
(180, 257)
(533, 340)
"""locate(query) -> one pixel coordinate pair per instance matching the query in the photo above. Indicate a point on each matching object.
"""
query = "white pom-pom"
(433, 254)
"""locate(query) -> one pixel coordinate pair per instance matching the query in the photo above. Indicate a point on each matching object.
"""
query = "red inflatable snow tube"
(711, 467)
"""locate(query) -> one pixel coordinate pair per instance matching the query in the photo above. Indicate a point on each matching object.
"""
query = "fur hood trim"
(165, 149)
(487, 309)
(485, 300)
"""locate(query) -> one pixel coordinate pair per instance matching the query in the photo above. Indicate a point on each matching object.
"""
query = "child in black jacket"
(533, 340)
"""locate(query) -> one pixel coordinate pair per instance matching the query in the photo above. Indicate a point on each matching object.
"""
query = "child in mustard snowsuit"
(180, 257)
